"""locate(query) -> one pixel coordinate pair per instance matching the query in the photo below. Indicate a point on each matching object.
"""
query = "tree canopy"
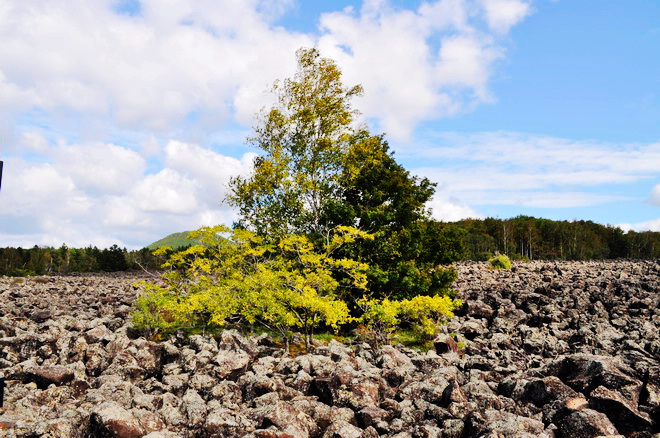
(305, 137)
(321, 170)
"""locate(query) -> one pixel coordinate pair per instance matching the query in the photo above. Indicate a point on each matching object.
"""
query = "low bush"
(500, 261)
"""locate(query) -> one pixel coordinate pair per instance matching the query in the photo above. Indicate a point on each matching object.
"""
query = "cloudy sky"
(121, 121)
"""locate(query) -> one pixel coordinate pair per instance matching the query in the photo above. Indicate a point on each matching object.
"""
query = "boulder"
(111, 420)
(44, 376)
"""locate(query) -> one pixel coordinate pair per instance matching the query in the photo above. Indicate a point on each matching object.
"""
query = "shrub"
(282, 285)
(500, 261)
(422, 314)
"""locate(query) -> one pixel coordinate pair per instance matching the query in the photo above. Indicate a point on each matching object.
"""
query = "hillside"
(175, 240)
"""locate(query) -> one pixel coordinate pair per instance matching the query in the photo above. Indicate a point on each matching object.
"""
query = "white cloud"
(105, 168)
(145, 71)
(90, 100)
(214, 59)
(451, 210)
(407, 76)
(654, 199)
(652, 225)
(100, 194)
(212, 171)
(501, 15)
(534, 171)
(166, 192)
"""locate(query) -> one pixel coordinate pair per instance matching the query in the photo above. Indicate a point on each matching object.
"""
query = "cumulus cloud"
(407, 76)
(501, 15)
(149, 70)
(93, 94)
(155, 67)
(652, 225)
(100, 194)
(451, 210)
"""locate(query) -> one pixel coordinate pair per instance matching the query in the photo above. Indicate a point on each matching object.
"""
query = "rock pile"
(551, 349)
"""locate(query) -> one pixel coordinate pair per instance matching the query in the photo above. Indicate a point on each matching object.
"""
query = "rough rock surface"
(552, 349)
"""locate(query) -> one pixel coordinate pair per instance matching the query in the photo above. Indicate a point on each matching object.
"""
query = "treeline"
(40, 260)
(526, 237)
(522, 237)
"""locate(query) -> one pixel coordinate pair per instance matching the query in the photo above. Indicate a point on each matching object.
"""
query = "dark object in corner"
(2, 379)
(0, 186)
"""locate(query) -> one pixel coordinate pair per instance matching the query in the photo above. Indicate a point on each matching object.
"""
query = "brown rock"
(342, 429)
(623, 415)
(576, 403)
(44, 376)
(584, 423)
(223, 422)
(370, 415)
(546, 390)
(445, 345)
(286, 417)
(111, 420)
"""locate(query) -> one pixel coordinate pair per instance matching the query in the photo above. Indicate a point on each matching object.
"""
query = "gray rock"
(342, 429)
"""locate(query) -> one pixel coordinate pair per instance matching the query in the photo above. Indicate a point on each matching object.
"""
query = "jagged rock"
(573, 344)
(585, 372)
(342, 429)
(323, 414)
(286, 417)
(230, 362)
(222, 422)
(509, 424)
(370, 415)
(445, 344)
(44, 376)
(584, 423)
(111, 420)
(546, 390)
(625, 417)
(194, 407)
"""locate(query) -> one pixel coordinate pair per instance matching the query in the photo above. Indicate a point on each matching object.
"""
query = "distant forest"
(526, 237)
(521, 238)
(40, 260)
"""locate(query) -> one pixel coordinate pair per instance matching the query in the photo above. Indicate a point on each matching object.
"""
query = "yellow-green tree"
(236, 276)
(305, 137)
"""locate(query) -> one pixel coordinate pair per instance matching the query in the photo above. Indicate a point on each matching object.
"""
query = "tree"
(113, 259)
(305, 137)
(281, 285)
(319, 171)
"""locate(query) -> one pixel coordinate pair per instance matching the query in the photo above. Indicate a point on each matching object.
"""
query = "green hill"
(175, 240)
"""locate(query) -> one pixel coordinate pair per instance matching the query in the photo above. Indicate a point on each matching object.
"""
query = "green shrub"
(500, 261)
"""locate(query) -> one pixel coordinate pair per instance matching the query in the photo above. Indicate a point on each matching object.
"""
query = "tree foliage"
(236, 276)
(319, 171)
(305, 138)
(535, 238)
(423, 314)
(40, 260)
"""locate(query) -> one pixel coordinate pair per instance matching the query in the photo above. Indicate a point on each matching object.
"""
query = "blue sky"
(122, 121)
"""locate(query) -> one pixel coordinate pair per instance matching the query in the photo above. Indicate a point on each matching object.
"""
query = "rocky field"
(551, 349)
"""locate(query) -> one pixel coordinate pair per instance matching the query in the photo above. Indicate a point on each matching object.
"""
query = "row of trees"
(533, 238)
(47, 260)
(424, 242)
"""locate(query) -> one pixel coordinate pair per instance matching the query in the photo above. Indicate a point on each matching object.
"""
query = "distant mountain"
(175, 240)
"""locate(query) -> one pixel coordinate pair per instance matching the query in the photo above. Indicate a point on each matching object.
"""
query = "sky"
(121, 121)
